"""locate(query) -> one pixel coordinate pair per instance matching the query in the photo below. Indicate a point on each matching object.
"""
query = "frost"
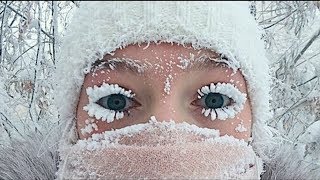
(99, 112)
(153, 119)
(86, 70)
(184, 63)
(89, 127)
(206, 112)
(167, 85)
(226, 89)
(241, 128)
(213, 114)
(111, 64)
(221, 114)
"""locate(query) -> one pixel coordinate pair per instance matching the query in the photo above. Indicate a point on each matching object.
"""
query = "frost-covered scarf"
(162, 150)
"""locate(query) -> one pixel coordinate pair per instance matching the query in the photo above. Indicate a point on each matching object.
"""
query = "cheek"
(238, 127)
(82, 115)
(86, 125)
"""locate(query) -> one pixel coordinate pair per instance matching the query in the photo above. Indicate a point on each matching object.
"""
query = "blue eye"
(219, 101)
(116, 102)
(214, 101)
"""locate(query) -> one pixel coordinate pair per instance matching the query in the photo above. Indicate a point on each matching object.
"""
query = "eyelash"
(97, 108)
(226, 90)
(98, 94)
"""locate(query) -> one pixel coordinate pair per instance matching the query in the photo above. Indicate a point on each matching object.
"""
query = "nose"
(169, 109)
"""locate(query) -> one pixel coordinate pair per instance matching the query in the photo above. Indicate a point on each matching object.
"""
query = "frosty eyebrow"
(136, 67)
(207, 64)
(120, 64)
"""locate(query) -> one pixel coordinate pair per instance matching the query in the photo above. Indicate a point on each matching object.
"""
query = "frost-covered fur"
(23, 159)
(29, 158)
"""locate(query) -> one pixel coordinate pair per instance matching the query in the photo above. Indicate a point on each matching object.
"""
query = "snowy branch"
(312, 39)
(280, 20)
(12, 9)
(1, 31)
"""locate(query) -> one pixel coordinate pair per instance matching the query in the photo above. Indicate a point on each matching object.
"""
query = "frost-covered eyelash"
(95, 93)
(226, 89)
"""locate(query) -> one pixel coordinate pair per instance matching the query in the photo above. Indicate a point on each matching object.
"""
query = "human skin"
(163, 60)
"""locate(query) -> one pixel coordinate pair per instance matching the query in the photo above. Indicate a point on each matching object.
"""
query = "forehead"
(154, 51)
(164, 58)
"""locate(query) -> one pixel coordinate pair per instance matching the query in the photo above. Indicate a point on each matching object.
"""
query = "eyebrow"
(207, 64)
(138, 68)
(134, 66)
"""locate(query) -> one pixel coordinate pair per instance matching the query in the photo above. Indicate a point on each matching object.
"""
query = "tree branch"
(12, 9)
(54, 29)
(313, 38)
(1, 32)
(280, 20)
(10, 124)
(14, 61)
(307, 81)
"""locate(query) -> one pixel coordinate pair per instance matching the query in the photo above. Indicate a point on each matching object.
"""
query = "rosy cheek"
(239, 126)
(89, 125)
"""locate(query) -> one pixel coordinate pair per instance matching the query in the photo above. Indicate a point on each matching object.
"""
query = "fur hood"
(36, 158)
(29, 158)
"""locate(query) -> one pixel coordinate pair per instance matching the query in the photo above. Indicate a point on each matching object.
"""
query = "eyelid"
(96, 92)
(228, 90)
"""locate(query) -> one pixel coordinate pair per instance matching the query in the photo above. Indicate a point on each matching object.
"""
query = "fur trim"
(29, 158)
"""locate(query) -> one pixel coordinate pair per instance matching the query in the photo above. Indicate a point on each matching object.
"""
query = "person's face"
(167, 88)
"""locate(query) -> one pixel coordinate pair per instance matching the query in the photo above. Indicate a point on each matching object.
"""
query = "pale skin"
(152, 100)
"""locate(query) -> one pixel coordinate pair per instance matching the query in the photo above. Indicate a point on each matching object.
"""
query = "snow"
(206, 112)
(184, 62)
(167, 85)
(240, 127)
(111, 66)
(89, 127)
(311, 134)
(130, 63)
(99, 112)
(213, 114)
(226, 89)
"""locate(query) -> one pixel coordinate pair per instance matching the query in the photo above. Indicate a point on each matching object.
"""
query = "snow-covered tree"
(29, 39)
